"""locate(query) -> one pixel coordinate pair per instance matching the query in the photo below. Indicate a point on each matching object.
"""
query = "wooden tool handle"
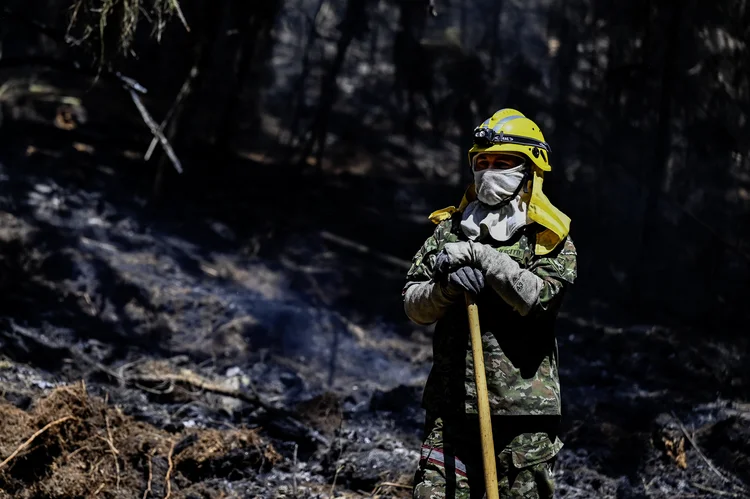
(483, 402)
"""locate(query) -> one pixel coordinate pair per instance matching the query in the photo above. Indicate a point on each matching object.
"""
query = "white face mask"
(495, 186)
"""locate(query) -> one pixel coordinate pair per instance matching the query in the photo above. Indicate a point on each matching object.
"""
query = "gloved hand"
(425, 302)
(453, 265)
(467, 278)
(452, 257)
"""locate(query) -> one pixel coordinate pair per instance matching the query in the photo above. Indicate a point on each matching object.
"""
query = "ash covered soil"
(169, 350)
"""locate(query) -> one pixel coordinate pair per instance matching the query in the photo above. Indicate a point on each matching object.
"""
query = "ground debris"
(323, 412)
(164, 376)
(214, 453)
(365, 458)
(99, 449)
(669, 438)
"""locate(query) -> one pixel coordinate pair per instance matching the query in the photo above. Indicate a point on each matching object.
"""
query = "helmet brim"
(538, 156)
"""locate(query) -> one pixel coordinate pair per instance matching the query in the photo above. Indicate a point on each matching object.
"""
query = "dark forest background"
(207, 211)
(645, 104)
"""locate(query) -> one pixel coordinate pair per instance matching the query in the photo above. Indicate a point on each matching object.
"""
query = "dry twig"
(713, 468)
(338, 459)
(697, 449)
(365, 250)
(155, 129)
(380, 488)
(147, 492)
(715, 491)
(191, 379)
(80, 449)
(184, 90)
(169, 472)
(335, 477)
(178, 9)
(155, 391)
(33, 437)
(396, 485)
(294, 473)
(112, 449)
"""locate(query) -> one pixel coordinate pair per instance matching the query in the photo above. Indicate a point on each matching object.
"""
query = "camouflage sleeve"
(425, 301)
(423, 262)
(557, 271)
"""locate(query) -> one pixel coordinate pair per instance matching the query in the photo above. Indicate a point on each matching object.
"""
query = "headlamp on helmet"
(485, 137)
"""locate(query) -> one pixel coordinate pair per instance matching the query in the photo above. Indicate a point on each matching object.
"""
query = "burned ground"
(243, 347)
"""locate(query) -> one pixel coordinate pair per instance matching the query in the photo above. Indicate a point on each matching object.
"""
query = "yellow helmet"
(509, 130)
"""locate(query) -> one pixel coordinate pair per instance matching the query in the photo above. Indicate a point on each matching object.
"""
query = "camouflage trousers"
(451, 463)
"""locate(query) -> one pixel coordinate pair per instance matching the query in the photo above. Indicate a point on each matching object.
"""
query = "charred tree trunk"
(496, 22)
(355, 22)
(462, 22)
(300, 87)
(613, 81)
(257, 21)
(656, 177)
(567, 56)
(412, 64)
(375, 36)
(664, 125)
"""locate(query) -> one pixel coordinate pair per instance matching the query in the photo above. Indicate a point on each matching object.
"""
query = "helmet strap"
(525, 181)
(522, 185)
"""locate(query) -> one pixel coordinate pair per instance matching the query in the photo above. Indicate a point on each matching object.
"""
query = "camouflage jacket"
(521, 358)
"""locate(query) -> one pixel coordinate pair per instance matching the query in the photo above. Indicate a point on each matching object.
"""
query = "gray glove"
(519, 288)
(452, 257)
(467, 278)
(425, 302)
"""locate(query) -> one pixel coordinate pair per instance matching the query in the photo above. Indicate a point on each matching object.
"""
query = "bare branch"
(169, 472)
(725, 478)
(178, 9)
(365, 250)
(180, 96)
(33, 437)
(155, 130)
